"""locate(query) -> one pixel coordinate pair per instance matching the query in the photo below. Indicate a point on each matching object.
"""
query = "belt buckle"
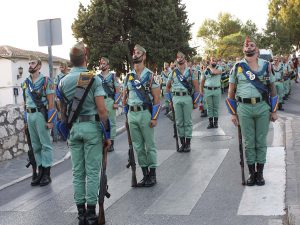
(180, 93)
(135, 108)
(253, 101)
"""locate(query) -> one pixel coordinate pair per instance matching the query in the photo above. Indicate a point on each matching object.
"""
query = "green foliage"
(111, 28)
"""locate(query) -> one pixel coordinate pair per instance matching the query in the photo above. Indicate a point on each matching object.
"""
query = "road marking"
(38, 195)
(267, 200)
(181, 197)
(120, 184)
(278, 133)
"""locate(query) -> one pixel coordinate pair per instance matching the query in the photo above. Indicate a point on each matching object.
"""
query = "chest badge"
(137, 84)
(251, 75)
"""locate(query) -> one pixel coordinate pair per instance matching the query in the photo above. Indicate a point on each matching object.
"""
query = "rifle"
(241, 154)
(131, 160)
(174, 127)
(30, 159)
(103, 188)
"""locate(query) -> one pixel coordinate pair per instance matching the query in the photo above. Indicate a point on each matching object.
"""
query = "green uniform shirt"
(39, 86)
(133, 98)
(287, 69)
(110, 80)
(212, 80)
(244, 88)
(58, 78)
(278, 70)
(164, 77)
(176, 84)
(69, 84)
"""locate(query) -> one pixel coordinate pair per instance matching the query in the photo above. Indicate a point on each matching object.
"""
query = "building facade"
(14, 70)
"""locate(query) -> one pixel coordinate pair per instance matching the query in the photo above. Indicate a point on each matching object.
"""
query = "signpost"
(49, 33)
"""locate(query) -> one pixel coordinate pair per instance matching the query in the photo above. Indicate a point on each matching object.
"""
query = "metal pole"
(50, 52)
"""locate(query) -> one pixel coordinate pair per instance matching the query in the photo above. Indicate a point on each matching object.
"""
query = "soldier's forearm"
(273, 89)
(231, 91)
(50, 99)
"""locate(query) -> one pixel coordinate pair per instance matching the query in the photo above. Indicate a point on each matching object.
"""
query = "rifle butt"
(133, 179)
(101, 216)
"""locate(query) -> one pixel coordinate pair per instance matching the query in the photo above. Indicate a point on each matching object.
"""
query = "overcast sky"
(18, 19)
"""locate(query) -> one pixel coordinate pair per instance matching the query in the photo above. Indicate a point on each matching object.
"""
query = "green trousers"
(85, 141)
(40, 139)
(286, 85)
(213, 101)
(183, 107)
(166, 103)
(142, 137)
(254, 121)
(279, 90)
(109, 102)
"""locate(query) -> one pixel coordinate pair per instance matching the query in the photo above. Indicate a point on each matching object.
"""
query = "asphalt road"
(202, 187)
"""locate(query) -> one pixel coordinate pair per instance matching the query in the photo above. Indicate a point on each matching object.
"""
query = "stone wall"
(12, 136)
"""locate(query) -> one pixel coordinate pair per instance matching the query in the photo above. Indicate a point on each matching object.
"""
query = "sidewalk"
(292, 128)
(14, 170)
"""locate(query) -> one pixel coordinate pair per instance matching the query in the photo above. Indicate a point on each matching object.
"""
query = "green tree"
(111, 28)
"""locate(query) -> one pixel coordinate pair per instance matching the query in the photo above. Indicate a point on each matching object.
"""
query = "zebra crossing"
(181, 195)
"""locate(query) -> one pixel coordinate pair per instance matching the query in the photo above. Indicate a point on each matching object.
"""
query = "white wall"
(8, 81)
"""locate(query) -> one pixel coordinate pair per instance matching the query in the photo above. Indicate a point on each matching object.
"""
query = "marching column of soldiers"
(87, 104)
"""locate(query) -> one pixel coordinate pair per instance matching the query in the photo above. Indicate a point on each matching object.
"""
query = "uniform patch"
(251, 75)
(156, 79)
(240, 70)
(130, 77)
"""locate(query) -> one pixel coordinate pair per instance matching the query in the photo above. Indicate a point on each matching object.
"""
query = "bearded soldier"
(164, 78)
(41, 114)
(141, 98)
(252, 101)
(183, 91)
(278, 71)
(112, 98)
(211, 88)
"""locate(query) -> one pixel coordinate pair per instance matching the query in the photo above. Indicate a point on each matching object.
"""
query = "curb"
(293, 210)
(66, 156)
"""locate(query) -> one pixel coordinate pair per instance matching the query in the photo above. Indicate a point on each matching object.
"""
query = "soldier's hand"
(106, 143)
(195, 106)
(171, 105)
(273, 116)
(153, 123)
(115, 106)
(49, 125)
(235, 120)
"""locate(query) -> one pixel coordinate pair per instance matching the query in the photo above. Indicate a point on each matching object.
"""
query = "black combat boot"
(182, 141)
(111, 148)
(211, 123)
(81, 214)
(204, 113)
(187, 145)
(151, 181)
(145, 178)
(280, 107)
(91, 217)
(216, 122)
(252, 175)
(38, 178)
(167, 110)
(46, 179)
(260, 181)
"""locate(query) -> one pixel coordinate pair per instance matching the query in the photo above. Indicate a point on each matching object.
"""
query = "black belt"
(136, 108)
(33, 110)
(249, 100)
(163, 85)
(211, 88)
(180, 93)
(87, 118)
(105, 97)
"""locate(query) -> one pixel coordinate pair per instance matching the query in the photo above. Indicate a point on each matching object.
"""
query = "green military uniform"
(182, 103)
(212, 92)
(39, 134)
(85, 139)
(287, 70)
(164, 79)
(253, 113)
(278, 70)
(139, 118)
(111, 83)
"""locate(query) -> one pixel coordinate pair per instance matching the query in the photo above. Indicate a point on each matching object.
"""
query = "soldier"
(142, 96)
(64, 71)
(251, 84)
(211, 88)
(86, 134)
(40, 113)
(183, 84)
(278, 70)
(112, 97)
(287, 72)
(164, 77)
